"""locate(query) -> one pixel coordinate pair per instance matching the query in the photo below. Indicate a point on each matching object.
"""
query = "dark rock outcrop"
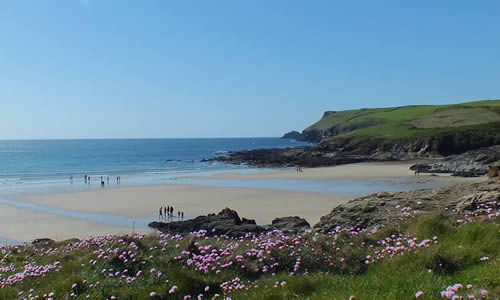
(469, 164)
(227, 222)
(290, 157)
(43, 241)
(291, 224)
(382, 209)
(293, 135)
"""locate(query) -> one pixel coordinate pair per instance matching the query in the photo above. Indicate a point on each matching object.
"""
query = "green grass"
(411, 121)
(455, 259)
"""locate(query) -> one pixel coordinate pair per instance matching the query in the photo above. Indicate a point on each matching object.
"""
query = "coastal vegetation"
(406, 121)
(427, 257)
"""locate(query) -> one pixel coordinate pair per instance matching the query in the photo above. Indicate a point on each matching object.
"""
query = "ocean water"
(27, 165)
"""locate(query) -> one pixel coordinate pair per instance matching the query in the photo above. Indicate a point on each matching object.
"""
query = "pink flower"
(484, 294)
(419, 294)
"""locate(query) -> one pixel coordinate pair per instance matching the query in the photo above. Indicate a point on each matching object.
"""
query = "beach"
(119, 209)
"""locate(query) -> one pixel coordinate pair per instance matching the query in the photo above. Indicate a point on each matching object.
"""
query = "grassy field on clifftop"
(410, 121)
(428, 257)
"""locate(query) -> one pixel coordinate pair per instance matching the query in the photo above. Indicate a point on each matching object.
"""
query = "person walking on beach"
(88, 179)
(182, 215)
(85, 178)
(160, 213)
(165, 211)
(172, 211)
(168, 210)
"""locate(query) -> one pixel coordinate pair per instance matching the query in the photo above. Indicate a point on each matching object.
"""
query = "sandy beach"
(348, 172)
(143, 202)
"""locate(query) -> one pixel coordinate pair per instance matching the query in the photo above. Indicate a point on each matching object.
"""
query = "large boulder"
(227, 222)
(291, 224)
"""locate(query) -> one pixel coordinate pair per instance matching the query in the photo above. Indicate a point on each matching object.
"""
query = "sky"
(173, 69)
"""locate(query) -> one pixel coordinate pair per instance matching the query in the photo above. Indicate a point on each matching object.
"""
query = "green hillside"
(407, 121)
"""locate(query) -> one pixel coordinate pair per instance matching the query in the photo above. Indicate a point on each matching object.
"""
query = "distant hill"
(407, 122)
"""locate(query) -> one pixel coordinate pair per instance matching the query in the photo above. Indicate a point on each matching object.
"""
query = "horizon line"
(135, 138)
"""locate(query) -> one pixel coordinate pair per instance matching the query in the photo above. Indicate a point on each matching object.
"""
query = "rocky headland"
(461, 139)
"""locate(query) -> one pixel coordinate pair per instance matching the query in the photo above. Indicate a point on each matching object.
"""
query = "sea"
(31, 165)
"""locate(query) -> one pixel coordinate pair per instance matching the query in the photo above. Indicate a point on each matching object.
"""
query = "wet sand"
(25, 225)
(138, 202)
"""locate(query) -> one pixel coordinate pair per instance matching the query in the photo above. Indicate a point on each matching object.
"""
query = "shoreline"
(70, 214)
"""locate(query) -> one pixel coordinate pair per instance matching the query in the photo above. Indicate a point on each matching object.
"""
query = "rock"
(469, 164)
(293, 135)
(291, 224)
(227, 222)
(473, 202)
(494, 170)
(43, 241)
(291, 157)
(383, 209)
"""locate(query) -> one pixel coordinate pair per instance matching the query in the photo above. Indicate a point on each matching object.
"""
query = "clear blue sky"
(104, 68)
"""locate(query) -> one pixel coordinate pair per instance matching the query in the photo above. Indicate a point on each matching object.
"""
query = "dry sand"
(356, 171)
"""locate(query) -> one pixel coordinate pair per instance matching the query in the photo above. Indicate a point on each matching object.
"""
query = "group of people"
(86, 179)
(167, 212)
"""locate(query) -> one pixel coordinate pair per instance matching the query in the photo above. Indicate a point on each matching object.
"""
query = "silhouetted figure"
(172, 211)
(85, 178)
(108, 180)
(165, 211)
(160, 213)
(182, 215)
(178, 214)
(168, 210)
(88, 180)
